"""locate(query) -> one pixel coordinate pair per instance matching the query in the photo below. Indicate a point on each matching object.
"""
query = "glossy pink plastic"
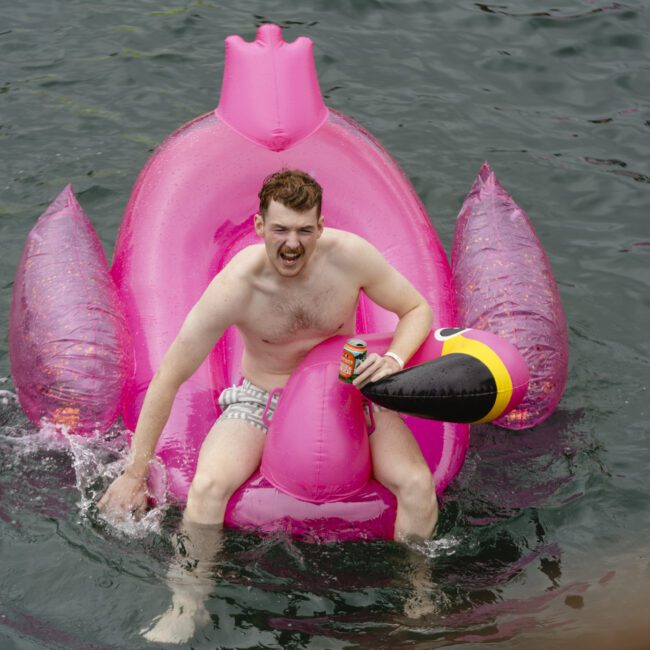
(504, 284)
(71, 353)
(192, 209)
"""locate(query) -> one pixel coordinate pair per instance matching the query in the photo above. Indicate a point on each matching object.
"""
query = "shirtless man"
(285, 296)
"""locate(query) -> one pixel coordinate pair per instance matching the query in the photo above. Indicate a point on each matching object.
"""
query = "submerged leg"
(191, 579)
(398, 464)
(420, 601)
(230, 453)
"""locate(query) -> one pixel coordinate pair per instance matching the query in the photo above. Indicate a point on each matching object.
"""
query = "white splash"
(97, 459)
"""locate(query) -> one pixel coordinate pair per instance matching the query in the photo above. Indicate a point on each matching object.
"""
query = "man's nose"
(292, 240)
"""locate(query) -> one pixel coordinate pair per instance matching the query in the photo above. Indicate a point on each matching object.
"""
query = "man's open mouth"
(290, 257)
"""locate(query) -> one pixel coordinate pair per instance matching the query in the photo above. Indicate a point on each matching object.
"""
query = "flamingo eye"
(445, 333)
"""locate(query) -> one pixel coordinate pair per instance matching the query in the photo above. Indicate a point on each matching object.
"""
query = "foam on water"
(96, 459)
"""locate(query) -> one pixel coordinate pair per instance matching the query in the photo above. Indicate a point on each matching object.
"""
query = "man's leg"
(230, 453)
(398, 464)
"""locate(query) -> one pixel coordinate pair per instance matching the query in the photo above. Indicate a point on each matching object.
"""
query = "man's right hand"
(126, 495)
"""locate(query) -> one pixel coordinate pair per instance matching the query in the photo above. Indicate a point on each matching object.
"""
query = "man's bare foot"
(419, 605)
(179, 623)
(191, 579)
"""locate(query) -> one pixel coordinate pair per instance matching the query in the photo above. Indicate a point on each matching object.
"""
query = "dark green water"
(556, 98)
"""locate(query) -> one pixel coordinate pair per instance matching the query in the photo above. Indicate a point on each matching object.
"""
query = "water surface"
(543, 536)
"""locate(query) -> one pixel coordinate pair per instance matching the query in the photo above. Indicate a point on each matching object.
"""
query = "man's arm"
(389, 289)
(219, 306)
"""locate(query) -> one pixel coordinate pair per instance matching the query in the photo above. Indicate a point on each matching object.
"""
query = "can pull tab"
(272, 394)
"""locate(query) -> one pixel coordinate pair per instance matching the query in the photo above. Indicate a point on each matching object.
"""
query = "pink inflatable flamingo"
(190, 211)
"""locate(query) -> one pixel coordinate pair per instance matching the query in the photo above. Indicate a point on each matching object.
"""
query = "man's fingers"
(366, 378)
(374, 369)
(125, 496)
(118, 503)
(367, 369)
(368, 362)
(380, 374)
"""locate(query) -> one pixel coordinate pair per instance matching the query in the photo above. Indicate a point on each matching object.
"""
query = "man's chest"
(321, 311)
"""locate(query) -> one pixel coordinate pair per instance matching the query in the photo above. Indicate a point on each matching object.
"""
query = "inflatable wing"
(479, 378)
(504, 284)
(68, 341)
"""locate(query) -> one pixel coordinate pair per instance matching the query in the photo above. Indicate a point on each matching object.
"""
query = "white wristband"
(396, 357)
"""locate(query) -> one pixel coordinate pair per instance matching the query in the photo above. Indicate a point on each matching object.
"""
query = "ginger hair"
(293, 188)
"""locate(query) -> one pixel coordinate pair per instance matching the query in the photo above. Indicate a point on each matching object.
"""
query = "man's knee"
(229, 455)
(397, 459)
(209, 489)
(411, 482)
(419, 482)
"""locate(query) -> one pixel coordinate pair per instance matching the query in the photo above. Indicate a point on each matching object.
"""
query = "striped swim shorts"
(249, 403)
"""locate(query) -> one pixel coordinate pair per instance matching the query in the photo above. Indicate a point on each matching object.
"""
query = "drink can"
(354, 353)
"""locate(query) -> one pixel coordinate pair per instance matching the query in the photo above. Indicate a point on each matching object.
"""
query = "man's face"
(290, 237)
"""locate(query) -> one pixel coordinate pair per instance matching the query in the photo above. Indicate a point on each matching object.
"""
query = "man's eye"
(306, 231)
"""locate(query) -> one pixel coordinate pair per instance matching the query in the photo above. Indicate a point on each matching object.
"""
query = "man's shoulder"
(344, 239)
(248, 261)
(240, 272)
(344, 244)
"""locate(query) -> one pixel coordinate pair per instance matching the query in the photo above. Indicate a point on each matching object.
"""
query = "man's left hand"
(374, 368)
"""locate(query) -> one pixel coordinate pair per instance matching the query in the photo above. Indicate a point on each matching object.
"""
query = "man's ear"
(258, 221)
(320, 225)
